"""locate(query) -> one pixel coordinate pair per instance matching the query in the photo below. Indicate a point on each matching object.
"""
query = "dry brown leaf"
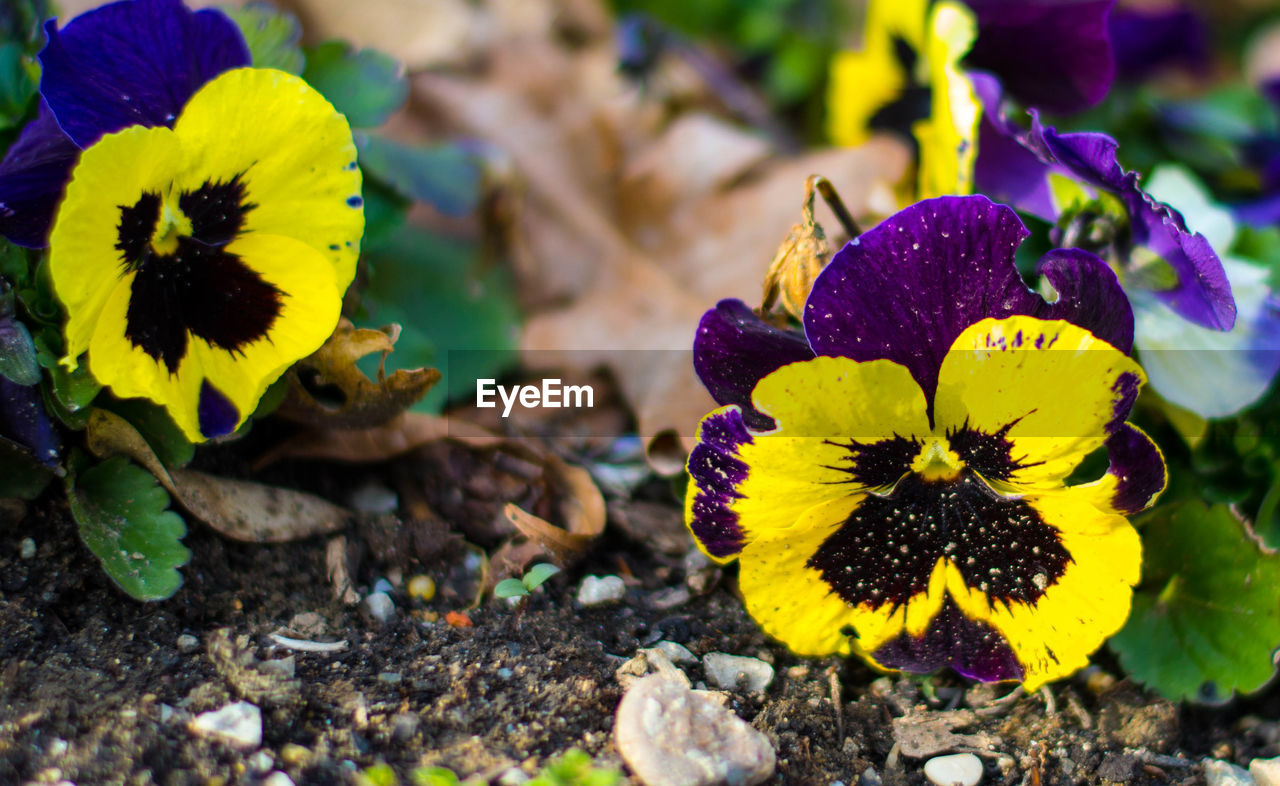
(396, 437)
(583, 508)
(328, 390)
(253, 512)
(108, 434)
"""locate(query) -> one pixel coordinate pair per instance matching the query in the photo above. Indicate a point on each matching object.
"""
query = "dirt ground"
(96, 688)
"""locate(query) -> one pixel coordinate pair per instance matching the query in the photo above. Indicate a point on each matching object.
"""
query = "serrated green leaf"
(444, 176)
(163, 436)
(537, 575)
(21, 475)
(510, 588)
(1206, 618)
(430, 285)
(124, 520)
(272, 36)
(365, 85)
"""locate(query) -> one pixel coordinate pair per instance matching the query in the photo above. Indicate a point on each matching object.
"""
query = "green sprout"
(521, 587)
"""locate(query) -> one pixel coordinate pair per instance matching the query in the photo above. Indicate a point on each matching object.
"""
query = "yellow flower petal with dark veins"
(865, 81)
(949, 136)
(198, 263)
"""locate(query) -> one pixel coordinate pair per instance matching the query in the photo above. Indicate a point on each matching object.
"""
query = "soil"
(96, 688)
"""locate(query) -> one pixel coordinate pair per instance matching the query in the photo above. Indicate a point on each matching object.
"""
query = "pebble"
(669, 736)
(374, 498)
(734, 672)
(1223, 773)
(294, 754)
(964, 769)
(514, 776)
(261, 763)
(422, 587)
(27, 548)
(390, 677)
(596, 590)
(1265, 772)
(277, 778)
(188, 643)
(870, 778)
(676, 653)
(239, 725)
(380, 606)
(403, 726)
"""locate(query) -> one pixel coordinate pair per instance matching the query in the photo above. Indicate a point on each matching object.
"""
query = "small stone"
(238, 725)
(260, 763)
(514, 776)
(870, 777)
(1119, 768)
(403, 726)
(677, 653)
(277, 778)
(294, 754)
(284, 668)
(422, 588)
(381, 607)
(188, 643)
(596, 590)
(670, 736)
(390, 677)
(374, 498)
(1223, 773)
(964, 769)
(1265, 772)
(27, 548)
(734, 672)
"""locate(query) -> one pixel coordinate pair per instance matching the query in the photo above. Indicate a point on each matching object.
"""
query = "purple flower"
(1049, 54)
(1148, 40)
(132, 62)
(1045, 173)
(1266, 210)
(892, 479)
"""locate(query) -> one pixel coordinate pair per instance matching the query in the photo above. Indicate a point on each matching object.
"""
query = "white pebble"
(380, 606)
(277, 778)
(1265, 772)
(188, 643)
(734, 672)
(596, 590)
(27, 548)
(1223, 773)
(261, 763)
(677, 653)
(374, 497)
(964, 769)
(238, 725)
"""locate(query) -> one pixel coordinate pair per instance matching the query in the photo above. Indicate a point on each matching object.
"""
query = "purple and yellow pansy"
(893, 481)
(208, 215)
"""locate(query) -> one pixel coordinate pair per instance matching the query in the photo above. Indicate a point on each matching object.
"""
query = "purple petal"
(1138, 468)
(1146, 41)
(974, 649)
(907, 288)
(23, 419)
(716, 471)
(734, 349)
(1051, 54)
(32, 177)
(1271, 89)
(133, 62)
(1264, 212)
(218, 416)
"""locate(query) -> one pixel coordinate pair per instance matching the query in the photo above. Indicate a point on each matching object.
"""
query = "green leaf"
(152, 421)
(444, 176)
(21, 475)
(538, 574)
(433, 776)
(15, 265)
(272, 36)
(454, 317)
(380, 774)
(16, 86)
(124, 520)
(510, 588)
(17, 353)
(73, 391)
(1206, 617)
(365, 85)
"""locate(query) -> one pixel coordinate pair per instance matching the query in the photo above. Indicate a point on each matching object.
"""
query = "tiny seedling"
(521, 587)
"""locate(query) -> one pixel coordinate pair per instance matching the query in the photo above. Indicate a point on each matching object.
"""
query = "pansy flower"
(912, 74)
(197, 263)
(1077, 177)
(133, 62)
(894, 480)
(1265, 211)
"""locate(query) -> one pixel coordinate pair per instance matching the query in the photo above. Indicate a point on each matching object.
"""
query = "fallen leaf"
(402, 434)
(328, 389)
(253, 512)
(923, 734)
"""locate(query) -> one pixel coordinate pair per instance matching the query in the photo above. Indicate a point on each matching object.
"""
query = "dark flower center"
(886, 550)
(185, 281)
